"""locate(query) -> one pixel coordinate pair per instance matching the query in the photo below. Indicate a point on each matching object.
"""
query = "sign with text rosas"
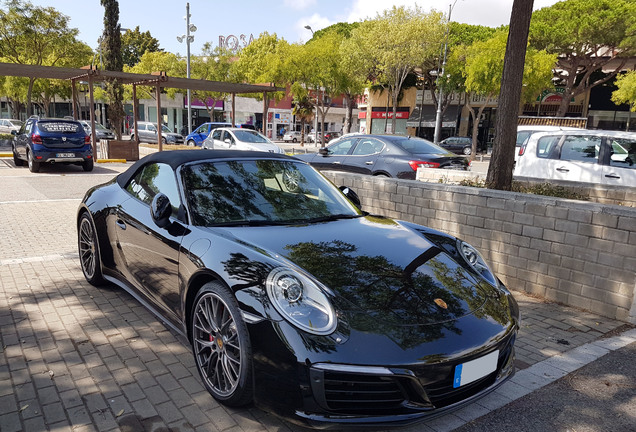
(235, 43)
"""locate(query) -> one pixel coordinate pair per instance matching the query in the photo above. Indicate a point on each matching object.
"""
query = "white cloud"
(299, 4)
(315, 21)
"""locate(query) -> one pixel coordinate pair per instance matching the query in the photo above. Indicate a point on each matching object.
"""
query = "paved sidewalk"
(77, 358)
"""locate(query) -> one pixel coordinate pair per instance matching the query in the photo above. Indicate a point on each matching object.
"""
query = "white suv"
(588, 156)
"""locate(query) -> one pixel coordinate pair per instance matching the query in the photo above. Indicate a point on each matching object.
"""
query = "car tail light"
(522, 150)
(87, 139)
(415, 164)
(36, 138)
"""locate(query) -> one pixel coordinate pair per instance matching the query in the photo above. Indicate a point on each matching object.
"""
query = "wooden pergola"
(158, 80)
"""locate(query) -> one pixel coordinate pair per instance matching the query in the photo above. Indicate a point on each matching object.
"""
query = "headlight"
(300, 301)
(477, 262)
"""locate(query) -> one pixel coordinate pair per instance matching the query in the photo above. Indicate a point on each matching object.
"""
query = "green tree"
(111, 46)
(135, 43)
(41, 36)
(390, 46)
(262, 62)
(214, 64)
(587, 36)
(481, 65)
(626, 90)
(302, 108)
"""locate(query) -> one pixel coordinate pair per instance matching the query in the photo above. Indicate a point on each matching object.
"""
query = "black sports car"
(294, 298)
(395, 156)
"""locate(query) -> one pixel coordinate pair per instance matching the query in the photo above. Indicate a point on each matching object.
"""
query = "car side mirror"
(351, 195)
(227, 141)
(160, 210)
(323, 151)
(14, 132)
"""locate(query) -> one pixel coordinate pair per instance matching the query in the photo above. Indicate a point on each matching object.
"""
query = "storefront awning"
(429, 114)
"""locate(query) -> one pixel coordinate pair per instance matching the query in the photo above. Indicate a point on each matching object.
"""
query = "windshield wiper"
(328, 218)
(247, 223)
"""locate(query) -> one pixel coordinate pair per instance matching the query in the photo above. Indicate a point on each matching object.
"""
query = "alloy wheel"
(87, 248)
(217, 345)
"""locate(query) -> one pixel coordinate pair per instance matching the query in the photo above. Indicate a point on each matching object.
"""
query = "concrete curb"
(111, 161)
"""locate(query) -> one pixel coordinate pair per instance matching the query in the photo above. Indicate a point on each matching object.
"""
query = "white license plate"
(65, 155)
(468, 372)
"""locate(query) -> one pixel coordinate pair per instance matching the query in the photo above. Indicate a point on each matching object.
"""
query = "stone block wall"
(578, 253)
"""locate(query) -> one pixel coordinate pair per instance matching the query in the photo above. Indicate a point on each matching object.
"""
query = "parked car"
(330, 136)
(148, 133)
(295, 299)
(293, 136)
(588, 156)
(199, 135)
(239, 139)
(524, 132)
(47, 141)
(8, 125)
(384, 155)
(101, 132)
(459, 145)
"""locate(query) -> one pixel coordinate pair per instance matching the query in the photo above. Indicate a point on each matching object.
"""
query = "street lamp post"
(188, 39)
(308, 27)
(438, 117)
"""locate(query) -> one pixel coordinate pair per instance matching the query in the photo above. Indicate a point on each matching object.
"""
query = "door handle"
(563, 170)
(121, 224)
(614, 176)
(368, 163)
(337, 162)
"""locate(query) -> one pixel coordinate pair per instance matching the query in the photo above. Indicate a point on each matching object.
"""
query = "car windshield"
(99, 126)
(261, 192)
(16, 123)
(165, 129)
(250, 136)
(418, 145)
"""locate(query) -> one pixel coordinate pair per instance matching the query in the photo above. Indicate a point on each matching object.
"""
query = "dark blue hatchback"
(42, 141)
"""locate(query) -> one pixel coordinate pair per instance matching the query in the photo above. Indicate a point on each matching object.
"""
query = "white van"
(588, 156)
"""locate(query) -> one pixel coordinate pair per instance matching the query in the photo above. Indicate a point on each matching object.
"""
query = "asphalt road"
(599, 397)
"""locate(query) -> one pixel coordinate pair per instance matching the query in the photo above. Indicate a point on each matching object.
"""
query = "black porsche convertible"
(295, 299)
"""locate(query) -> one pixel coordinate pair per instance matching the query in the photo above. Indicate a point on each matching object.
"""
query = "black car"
(459, 145)
(396, 156)
(52, 140)
(294, 298)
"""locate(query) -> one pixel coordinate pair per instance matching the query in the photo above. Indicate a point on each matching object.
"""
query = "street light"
(308, 27)
(188, 40)
(438, 117)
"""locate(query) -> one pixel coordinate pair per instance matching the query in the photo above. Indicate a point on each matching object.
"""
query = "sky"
(215, 19)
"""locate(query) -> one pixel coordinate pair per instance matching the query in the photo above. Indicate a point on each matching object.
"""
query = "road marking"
(53, 257)
(41, 201)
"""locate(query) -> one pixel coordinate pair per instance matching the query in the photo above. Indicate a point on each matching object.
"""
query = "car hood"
(375, 267)
(266, 147)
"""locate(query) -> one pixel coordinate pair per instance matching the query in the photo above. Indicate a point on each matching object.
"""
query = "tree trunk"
(503, 155)
(29, 104)
(346, 128)
(265, 110)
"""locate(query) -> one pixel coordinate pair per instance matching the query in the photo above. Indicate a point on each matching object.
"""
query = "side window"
(545, 145)
(151, 180)
(141, 127)
(202, 129)
(341, 148)
(623, 153)
(368, 147)
(216, 134)
(581, 148)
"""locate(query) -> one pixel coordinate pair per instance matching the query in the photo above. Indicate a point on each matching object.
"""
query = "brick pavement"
(78, 358)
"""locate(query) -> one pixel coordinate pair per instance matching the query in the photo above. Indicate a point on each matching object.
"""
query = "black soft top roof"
(175, 158)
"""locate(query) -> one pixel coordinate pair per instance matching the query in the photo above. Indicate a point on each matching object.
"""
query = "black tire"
(163, 141)
(34, 166)
(222, 353)
(294, 140)
(467, 151)
(88, 165)
(88, 248)
(191, 143)
(16, 160)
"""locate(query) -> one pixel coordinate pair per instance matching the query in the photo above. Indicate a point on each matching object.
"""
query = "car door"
(201, 133)
(620, 169)
(333, 156)
(209, 142)
(578, 159)
(150, 253)
(225, 142)
(22, 139)
(364, 156)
